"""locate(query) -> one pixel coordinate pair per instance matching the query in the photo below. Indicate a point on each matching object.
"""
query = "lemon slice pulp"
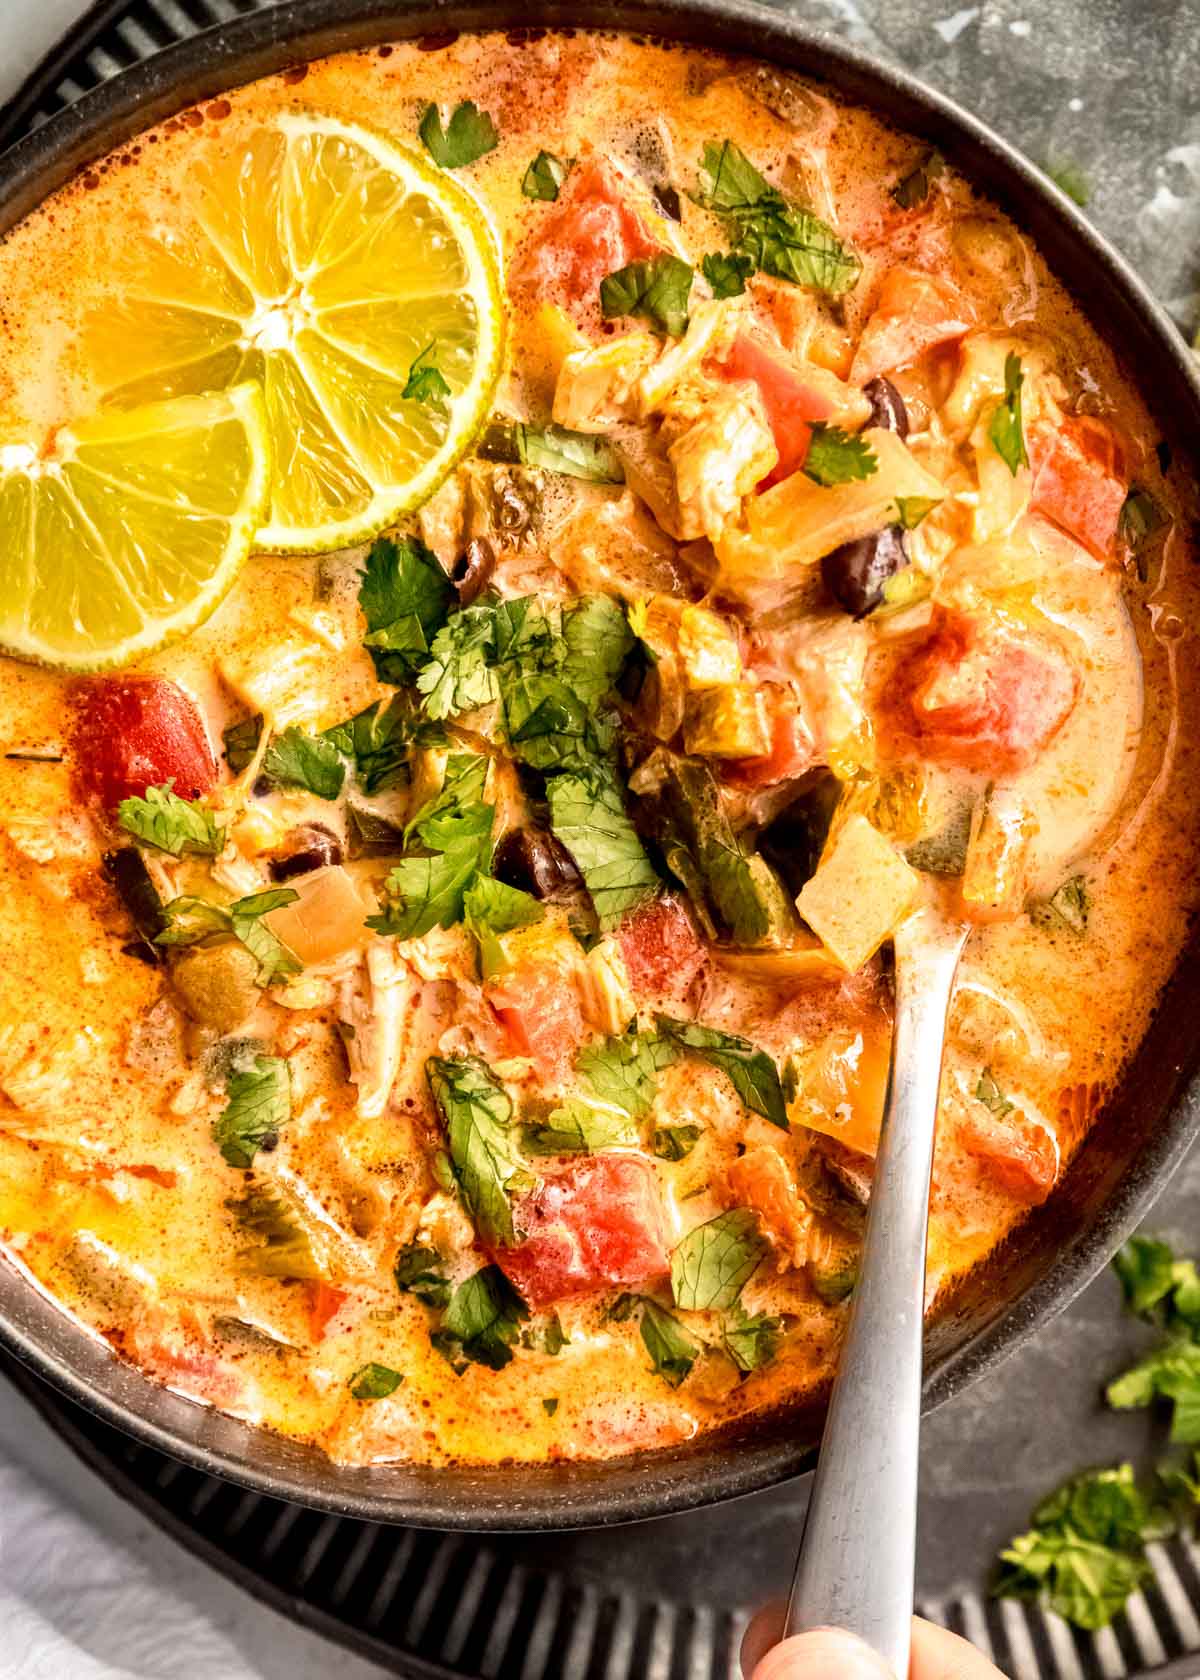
(130, 527)
(323, 260)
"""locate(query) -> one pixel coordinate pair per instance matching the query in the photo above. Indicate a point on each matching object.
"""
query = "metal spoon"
(857, 1552)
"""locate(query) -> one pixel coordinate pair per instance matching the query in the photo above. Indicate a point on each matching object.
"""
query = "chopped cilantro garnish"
(259, 1103)
(467, 136)
(544, 177)
(1005, 428)
(838, 457)
(426, 383)
(655, 288)
(171, 824)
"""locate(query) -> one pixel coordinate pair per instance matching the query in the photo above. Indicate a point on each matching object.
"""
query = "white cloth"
(91, 1590)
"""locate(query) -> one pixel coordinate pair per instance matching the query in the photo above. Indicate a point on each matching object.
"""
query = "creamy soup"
(815, 560)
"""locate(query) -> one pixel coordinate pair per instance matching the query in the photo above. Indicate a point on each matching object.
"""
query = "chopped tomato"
(791, 749)
(974, 694)
(594, 1223)
(324, 1303)
(791, 402)
(1078, 482)
(762, 1180)
(541, 1011)
(1020, 1154)
(662, 950)
(131, 733)
(914, 311)
(591, 232)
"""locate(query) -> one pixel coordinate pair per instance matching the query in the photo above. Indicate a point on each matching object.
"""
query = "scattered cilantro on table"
(1085, 1551)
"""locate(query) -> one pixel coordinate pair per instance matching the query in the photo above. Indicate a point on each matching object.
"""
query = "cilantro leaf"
(490, 908)
(1006, 430)
(260, 1102)
(729, 182)
(419, 1271)
(313, 762)
(911, 510)
(912, 189)
(726, 272)
(275, 961)
(190, 919)
(378, 740)
(838, 457)
(467, 136)
(674, 1143)
(714, 1262)
(544, 177)
(1146, 1269)
(780, 238)
(751, 1342)
(991, 1096)
(550, 1405)
(588, 817)
(374, 1382)
(750, 1070)
(459, 676)
(426, 383)
(171, 824)
(476, 1111)
(597, 641)
(426, 892)
(405, 597)
(575, 454)
(1067, 907)
(241, 742)
(482, 1321)
(456, 812)
(1085, 1553)
(1070, 178)
(422, 893)
(623, 1069)
(655, 288)
(580, 1127)
(672, 1350)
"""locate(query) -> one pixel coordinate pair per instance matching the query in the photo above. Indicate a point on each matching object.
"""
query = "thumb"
(822, 1654)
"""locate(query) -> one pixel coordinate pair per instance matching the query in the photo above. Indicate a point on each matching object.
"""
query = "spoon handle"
(857, 1552)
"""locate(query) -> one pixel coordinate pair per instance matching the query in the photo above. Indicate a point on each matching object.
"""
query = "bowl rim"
(654, 1483)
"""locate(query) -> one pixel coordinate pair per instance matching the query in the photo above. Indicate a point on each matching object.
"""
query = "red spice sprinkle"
(218, 109)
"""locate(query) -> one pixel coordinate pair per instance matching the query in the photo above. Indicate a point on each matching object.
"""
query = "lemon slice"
(322, 260)
(128, 529)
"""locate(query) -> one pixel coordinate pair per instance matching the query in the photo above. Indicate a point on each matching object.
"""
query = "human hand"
(832, 1654)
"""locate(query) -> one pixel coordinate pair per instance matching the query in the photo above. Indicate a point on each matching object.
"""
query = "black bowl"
(1145, 1129)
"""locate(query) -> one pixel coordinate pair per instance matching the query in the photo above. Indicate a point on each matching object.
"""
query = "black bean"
(473, 570)
(856, 572)
(887, 406)
(125, 868)
(533, 860)
(667, 199)
(309, 847)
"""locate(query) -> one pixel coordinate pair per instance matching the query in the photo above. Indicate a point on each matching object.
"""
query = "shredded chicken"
(719, 458)
(377, 1002)
(600, 386)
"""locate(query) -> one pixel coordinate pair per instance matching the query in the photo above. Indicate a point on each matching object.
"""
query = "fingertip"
(822, 1654)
